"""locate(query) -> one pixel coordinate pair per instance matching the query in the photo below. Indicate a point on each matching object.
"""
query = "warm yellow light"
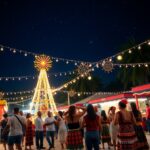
(89, 78)
(119, 57)
(79, 94)
(43, 62)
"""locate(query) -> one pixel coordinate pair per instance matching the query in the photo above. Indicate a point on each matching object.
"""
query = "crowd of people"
(120, 130)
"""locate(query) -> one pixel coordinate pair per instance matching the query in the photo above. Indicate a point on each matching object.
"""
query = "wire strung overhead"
(59, 74)
(28, 53)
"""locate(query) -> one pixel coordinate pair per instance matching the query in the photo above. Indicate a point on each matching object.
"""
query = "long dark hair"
(103, 114)
(60, 114)
(91, 112)
(134, 109)
(71, 112)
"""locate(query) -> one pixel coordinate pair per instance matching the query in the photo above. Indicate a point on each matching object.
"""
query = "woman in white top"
(62, 130)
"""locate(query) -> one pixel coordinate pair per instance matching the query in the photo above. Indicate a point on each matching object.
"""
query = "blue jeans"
(50, 137)
(39, 139)
(92, 140)
(148, 124)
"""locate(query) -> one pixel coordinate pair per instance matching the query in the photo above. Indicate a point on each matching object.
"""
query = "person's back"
(125, 117)
(15, 125)
(92, 124)
(127, 138)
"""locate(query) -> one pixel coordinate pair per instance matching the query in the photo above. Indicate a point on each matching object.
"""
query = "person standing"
(74, 136)
(148, 117)
(125, 120)
(24, 129)
(92, 123)
(15, 124)
(29, 133)
(62, 130)
(105, 129)
(50, 129)
(4, 133)
(142, 141)
(113, 128)
(39, 134)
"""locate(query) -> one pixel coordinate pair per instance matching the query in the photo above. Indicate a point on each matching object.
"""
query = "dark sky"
(75, 29)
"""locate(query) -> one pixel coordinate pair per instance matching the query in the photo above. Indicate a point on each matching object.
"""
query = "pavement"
(58, 147)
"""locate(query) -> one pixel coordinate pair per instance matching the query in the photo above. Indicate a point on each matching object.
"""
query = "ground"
(58, 147)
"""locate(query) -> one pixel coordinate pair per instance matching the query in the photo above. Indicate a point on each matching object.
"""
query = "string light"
(89, 78)
(2, 49)
(130, 51)
(14, 51)
(139, 47)
(119, 57)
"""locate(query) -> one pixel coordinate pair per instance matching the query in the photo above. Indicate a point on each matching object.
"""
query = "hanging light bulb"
(146, 65)
(67, 62)
(82, 75)
(74, 81)
(90, 65)
(2, 49)
(14, 51)
(130, 51)
(25, 54)
(139, 65)
(149, 43)
(119, 57)
(89, 78)
(97, 65)
(79, 94)
(110, 59)
(139, 47)
(75, 64)
(57, 60)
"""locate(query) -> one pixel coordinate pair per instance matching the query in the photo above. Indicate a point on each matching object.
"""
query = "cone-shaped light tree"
(43, 98)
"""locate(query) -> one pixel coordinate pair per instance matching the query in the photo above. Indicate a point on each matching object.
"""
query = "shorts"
(14, 139)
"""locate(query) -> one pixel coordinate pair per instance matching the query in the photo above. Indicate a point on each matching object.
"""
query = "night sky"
(75, 29)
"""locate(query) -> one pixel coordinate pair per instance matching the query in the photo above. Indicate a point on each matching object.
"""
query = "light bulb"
(79, 94)
(119, 57)
(130, 51)
(14, 51)
(139, 47)
(146, 65)
(2, 49)
(89, 78)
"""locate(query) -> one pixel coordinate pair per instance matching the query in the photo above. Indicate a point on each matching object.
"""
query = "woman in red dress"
(29, 133)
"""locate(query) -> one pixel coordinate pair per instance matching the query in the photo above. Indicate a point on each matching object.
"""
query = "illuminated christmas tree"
(43, 98)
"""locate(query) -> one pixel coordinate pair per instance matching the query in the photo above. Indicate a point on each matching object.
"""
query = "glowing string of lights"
(27, 53)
